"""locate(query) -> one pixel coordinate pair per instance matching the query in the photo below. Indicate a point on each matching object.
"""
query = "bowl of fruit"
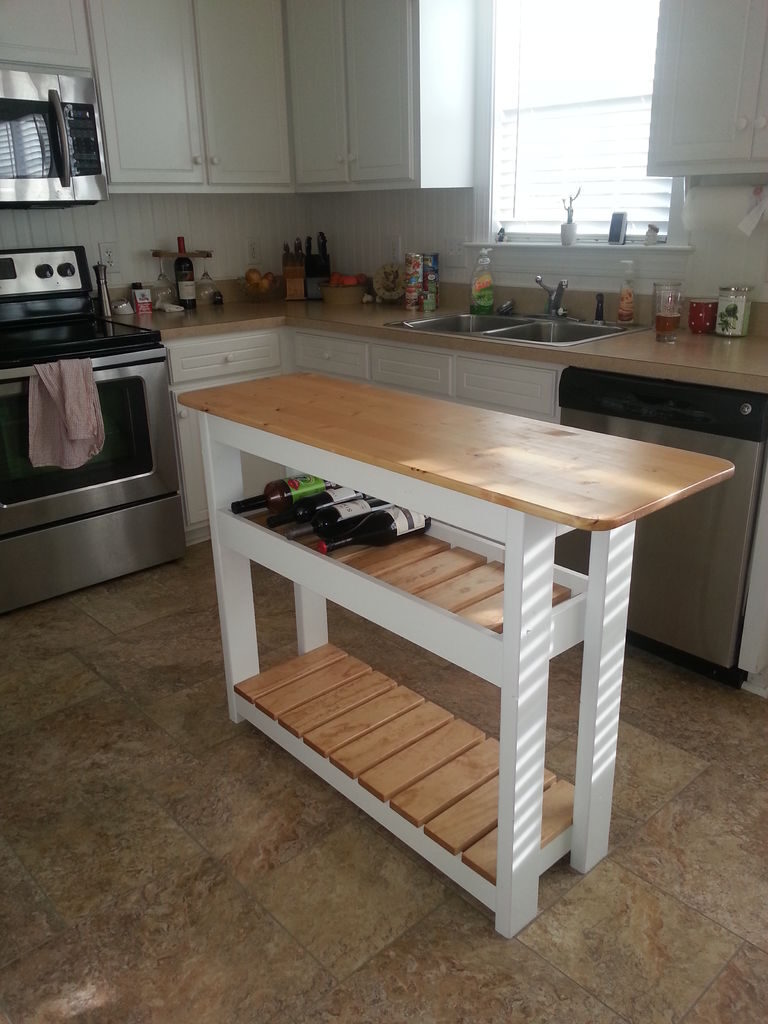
(344, 289)
(262, 287)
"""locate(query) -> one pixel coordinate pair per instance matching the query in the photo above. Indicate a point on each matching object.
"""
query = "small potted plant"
(568, 230)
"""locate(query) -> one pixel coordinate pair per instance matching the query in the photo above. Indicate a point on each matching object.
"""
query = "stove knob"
(66, 270)
(44, 270)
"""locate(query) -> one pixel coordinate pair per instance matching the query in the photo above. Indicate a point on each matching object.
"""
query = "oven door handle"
(66, 170)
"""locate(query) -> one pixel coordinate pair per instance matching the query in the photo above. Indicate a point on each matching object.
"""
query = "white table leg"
(311, 619)
(528, 574)
(224, 479)
(610, 568)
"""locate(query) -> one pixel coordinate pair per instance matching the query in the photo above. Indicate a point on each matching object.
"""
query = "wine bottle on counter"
(280, 495)
(336, 520)
(304, 510)
(379, 527)
(184, 271)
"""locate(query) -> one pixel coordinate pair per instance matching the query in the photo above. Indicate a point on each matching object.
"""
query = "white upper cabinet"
(192, 94)
(381, 93)
(710, 94)
(49, 32)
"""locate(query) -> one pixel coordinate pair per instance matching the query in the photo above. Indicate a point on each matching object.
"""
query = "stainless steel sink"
(520, 330)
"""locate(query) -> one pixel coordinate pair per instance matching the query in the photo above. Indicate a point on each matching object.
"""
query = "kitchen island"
(499, 488)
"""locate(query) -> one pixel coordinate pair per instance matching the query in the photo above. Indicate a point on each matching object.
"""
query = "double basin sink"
(524, 330)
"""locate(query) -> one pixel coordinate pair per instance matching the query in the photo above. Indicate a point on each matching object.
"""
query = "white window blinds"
(572, 110)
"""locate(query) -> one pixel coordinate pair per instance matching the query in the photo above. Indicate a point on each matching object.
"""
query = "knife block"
(293, 273)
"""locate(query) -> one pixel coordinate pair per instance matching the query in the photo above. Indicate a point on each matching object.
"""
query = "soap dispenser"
(481, 288)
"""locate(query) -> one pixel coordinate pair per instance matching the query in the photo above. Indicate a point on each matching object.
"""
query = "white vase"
(568, 234)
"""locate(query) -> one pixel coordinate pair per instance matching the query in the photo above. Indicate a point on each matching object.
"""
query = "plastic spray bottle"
(481, 288)
(626, 314)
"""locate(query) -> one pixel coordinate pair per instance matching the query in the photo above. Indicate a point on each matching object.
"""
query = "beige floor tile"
(452, 968)
(187, 946)
(709, 848)
(739, 994)
(196, 716)
(648, 771)
(46, 630)
(27, 917)
(45, 686)
(132, 601)
(641, 952)
(349, 896)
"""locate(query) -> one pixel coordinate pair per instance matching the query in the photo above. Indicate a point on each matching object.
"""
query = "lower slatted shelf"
(435, 770)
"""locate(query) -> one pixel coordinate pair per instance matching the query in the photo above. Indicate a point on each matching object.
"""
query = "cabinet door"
(51, 32)
(380, 89)
(144, 55)
(708, 66)
(243, 91)
(318, 96)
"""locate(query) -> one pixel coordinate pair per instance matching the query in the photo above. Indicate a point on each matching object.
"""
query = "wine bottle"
(382, 526)
(303, 510)
(336, 520)
(279, 495)
(184, 271)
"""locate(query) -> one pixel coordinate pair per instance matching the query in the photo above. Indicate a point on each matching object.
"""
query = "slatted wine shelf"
(435, 770)
(453, 578)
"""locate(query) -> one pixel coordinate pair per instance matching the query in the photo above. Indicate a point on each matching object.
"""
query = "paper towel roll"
(725, 207)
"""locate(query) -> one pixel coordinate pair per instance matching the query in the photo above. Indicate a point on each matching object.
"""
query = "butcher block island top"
(575, 477)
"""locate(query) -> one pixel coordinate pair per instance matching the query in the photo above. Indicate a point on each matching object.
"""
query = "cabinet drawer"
(328, 354)
(514, 387)
(225, 355)
(410, 368)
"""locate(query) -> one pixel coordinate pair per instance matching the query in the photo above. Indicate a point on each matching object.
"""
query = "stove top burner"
(35, 341)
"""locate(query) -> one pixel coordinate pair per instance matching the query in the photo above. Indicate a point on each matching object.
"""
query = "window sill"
(586, 264)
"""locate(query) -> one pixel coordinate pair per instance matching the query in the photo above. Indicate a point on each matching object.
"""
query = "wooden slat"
(468, 820)
(429, 796)
(376, 561)
(288, 671)
(293, 694)
(557, 816)
(418, 760)
(436, 569)
(327, 738)
(467, 589)
(490, 611)
(360, 755)
(344, 698)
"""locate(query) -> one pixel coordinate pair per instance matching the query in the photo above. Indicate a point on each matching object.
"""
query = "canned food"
(413, 268)
(431, 278)
(733, 307)
(413, 295)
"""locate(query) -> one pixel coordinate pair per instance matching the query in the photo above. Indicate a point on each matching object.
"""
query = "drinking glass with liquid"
(666, 304)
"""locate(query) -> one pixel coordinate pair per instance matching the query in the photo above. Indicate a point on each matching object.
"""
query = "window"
(573, 85)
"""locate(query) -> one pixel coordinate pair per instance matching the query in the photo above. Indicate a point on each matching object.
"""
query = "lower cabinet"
(508, 385)
(202, 362)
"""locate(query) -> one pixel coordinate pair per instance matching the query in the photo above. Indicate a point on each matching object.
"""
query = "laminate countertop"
(740, 363)
(557, 473)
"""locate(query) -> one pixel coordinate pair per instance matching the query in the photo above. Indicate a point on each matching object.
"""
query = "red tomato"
(335, 280)
(349, 279)
(362, 279)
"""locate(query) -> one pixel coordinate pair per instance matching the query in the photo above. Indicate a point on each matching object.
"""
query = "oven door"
(136, 464)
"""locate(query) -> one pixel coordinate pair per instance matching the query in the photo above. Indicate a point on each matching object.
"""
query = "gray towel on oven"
(65, 423)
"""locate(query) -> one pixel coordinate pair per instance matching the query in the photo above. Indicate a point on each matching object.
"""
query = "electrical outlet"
(454, 252)
(109, 253)
(393, 248)
(254, 252)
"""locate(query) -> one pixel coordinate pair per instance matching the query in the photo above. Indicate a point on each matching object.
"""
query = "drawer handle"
(741, 123)
(229, 358)
(196, 159)
(216, 160)
(326, 355)
(760, 122)
(183, 413)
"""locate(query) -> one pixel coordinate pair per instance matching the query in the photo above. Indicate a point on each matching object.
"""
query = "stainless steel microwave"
(51, 150)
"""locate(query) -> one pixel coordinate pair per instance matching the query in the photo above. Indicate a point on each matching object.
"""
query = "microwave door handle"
(66, 170)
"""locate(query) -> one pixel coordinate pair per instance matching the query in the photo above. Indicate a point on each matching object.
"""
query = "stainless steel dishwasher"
(691, 560)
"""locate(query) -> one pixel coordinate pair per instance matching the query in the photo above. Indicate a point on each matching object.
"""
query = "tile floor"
(160, 864)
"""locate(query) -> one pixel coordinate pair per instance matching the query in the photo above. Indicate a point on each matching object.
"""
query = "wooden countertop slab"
(577, 477)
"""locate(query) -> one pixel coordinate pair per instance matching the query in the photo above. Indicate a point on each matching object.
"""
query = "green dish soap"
(481, 288)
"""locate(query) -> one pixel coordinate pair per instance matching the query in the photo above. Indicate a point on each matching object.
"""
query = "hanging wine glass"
(162, 290)
(205, 288)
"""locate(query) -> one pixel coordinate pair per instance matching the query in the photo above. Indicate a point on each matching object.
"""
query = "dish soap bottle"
(481, 288)
(626, 314)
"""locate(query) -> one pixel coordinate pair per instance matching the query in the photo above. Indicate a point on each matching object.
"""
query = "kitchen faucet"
(554, 296)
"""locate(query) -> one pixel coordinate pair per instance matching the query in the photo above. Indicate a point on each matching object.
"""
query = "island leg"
(311, 619)
(224, 477)
(605, 627)
(528, 574)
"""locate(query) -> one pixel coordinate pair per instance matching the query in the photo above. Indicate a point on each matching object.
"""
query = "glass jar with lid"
(733, 306)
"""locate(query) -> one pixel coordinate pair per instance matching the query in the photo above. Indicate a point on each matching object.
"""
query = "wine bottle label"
(186, 289)
(304, 486)
(406, 521)
(339, 494)
(348, 509)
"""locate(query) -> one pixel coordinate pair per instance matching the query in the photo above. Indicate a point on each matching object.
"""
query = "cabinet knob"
(761, 122)
(326, 355)
(182, 413)
(741, 123)
(229, 358)
(339, 159)
(351, 157)
(215, 159)
(197, 159)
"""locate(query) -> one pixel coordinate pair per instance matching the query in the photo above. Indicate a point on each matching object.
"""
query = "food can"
(733, 308)
(413, 268)
(413, 296)
(431, 280)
